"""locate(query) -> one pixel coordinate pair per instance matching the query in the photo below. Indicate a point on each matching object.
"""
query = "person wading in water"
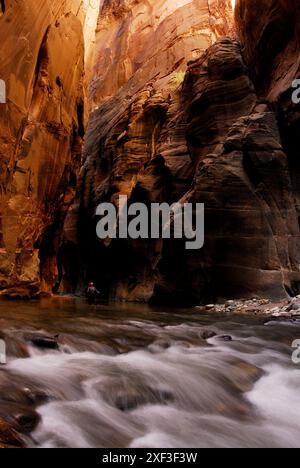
(92, 293)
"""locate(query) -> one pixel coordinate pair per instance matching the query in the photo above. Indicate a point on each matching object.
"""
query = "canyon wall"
(179, 116)
(184, 106)
(152, 42)
(41, 134)
(136, 143)
(269, 32)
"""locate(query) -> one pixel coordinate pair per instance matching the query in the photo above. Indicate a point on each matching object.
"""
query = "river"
(135, 376)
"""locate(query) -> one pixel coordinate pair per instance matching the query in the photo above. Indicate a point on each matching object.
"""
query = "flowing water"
(131, 376)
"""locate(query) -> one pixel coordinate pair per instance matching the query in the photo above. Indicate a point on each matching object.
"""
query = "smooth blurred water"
(132, 376)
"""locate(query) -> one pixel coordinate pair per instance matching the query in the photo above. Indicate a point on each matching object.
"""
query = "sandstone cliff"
(152, 41)
(185, 106)
(41, 131)
(269, 32)
(162, 131)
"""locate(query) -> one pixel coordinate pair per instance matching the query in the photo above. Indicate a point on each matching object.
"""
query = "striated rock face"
(242, 176)
(41, 131)
(185, 107)
(152, 41)
(210, 140)
(250, 184)
(136, 143)
(270, 36)
(269, 31)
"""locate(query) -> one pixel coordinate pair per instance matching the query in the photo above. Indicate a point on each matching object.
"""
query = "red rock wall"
(177, 114)
(152, 40)
(269, 31)
(159, 134)
(41, 130)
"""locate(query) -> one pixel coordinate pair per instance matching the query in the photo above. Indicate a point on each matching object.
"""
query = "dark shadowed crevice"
(2, 7)
(42, 60)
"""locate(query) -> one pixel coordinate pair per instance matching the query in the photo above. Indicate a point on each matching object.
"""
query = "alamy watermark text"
(159, 221)
(2, 352)
(2, 92)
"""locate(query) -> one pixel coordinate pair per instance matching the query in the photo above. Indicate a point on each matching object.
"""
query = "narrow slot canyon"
(180, 119)
(168, 103)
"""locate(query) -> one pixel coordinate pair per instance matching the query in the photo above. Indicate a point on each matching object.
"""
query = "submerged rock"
(128, 395)
(225, 338)
(44, 342)
(22, 418)
(244, 375)
(207, 334)
(9, 438)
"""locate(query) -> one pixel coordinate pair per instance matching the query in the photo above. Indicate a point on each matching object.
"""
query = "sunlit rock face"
(146, 39)
(41, 131)
(165, 131)
(90, 14)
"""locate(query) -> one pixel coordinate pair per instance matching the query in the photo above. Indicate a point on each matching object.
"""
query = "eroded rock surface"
(201, 136)
(269, 32)
(42, 63)
(136, 143)
(185, 107)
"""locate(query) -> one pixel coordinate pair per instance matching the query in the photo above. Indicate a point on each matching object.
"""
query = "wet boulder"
(128, 395)
(43, 342)
(226, 338)
(207, 334)
(22, 418)
(9, 438)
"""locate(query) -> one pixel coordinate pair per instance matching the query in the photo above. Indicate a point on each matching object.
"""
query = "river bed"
(134, 376)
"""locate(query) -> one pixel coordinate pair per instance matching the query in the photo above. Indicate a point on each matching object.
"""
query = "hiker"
(92, 293)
